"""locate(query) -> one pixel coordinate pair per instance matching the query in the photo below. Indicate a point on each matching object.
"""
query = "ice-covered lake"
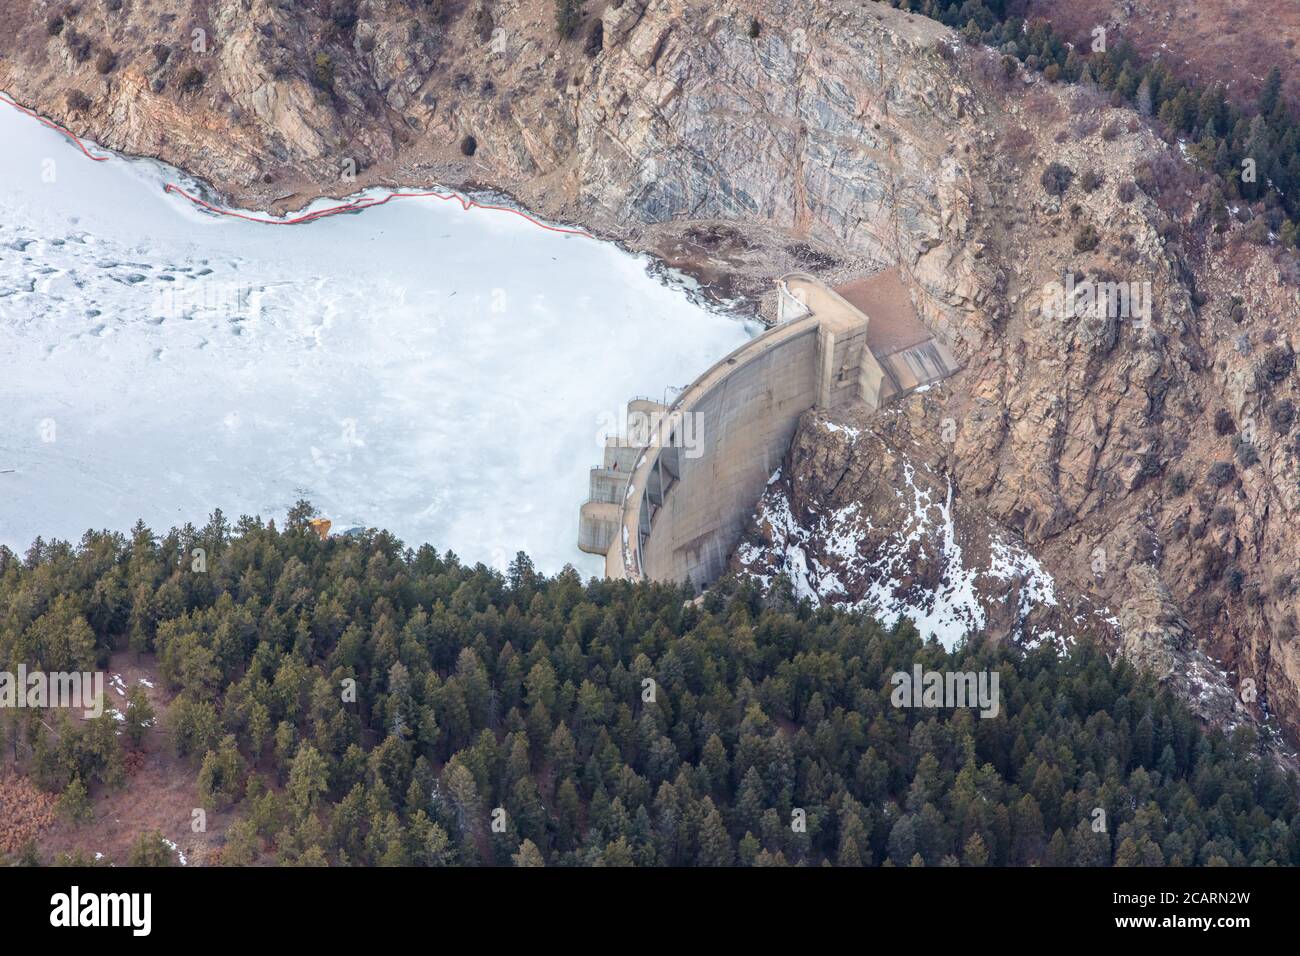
(438, 372)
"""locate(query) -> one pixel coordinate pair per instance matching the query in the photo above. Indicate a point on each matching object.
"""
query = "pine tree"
(308, 778)
(151, 849)
(75, 802)
(568, 13)
(1143, 98)
(1270, 93)
(854, 848)
(773, 706)
(1058, 850)
(528, 855)
(974, 853)
(139, 714)
(714, 844)
(1127, 854)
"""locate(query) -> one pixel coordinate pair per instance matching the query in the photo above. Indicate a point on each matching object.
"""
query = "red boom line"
(354, 206)
(54, 126)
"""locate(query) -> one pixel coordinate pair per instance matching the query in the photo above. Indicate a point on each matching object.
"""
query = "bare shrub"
(1016, 142)
(1282, 416)
(1257, 232)
(1170, 181)
(568, 13)
(483, 23)
(1288, 265)
(78, 45)
(811, 258)
(191, 79)
(343, 14)
(1056, 178)
(1084, 126)
(995, 71)
(1278, 364)
(1089, 100)
(1044, 106)
(1221, 473)
(595, 38)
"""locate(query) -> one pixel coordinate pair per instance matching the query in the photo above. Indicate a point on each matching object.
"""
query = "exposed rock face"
(856, 518)
(843, 135)
(817, 127)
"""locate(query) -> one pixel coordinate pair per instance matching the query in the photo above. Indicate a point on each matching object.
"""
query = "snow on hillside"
(439, 372)
(900, 548)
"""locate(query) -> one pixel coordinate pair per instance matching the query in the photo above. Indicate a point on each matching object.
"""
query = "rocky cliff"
(810, 121)
(1147, 457)
(856, 518)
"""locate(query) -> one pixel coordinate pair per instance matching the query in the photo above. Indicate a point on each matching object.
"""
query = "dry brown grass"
(25, 812)
(160, 792)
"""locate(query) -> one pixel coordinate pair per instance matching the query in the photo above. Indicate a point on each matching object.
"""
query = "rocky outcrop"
(1149, 462)
(816, 126)
(856, 518)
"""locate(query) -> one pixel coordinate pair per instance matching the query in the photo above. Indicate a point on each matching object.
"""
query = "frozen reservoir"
(439, 372)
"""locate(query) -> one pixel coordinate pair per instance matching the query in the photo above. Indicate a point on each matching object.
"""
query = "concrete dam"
(672, 496)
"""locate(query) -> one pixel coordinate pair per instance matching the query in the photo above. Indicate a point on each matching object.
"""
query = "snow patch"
(177, 850)
(949, 612)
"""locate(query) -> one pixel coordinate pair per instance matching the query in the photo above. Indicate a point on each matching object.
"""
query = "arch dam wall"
(674, 492)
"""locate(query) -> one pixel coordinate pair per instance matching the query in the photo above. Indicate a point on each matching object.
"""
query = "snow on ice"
(438, 372)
